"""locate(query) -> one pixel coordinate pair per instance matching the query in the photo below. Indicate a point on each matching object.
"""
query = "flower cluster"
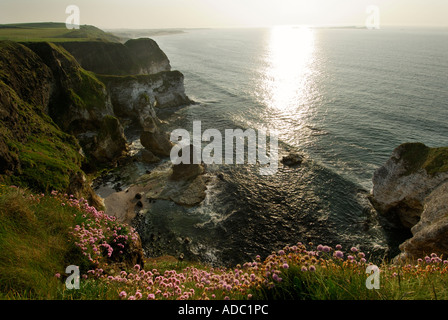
(96, 234)
(427, 266)
(191, 283)
(222, 283)
(100, 236)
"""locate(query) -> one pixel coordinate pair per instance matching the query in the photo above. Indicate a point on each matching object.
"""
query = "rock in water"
(156, 142)
(292, 159)
(147, 156)
(190, 170)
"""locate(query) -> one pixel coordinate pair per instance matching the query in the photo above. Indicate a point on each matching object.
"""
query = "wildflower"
(57, 275)
(151, 296)
(312, 268)
(285, 266)
(338, 254)
(338, 247)
(304, 269)
(276, 277)
(326, 249)
(436, 260)
(122, 294)
(354, 249)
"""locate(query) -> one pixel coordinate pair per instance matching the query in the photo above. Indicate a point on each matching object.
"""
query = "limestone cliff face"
(138, 97)
(82, 102)
(80, 105)
(411, 186)
(430, 234)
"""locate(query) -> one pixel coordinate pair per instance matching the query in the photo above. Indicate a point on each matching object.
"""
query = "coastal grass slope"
(40, 235)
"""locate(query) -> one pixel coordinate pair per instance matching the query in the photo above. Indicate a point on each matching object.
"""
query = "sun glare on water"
(285, 86)
(290, 55)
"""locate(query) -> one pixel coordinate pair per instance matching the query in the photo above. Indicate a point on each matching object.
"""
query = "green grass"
(52, 32)
(418, 156)
(47, 156)
(37, 243)
(47, 163)
(33, 244)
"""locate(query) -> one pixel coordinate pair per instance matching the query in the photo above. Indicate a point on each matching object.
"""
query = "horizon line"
(234, 26)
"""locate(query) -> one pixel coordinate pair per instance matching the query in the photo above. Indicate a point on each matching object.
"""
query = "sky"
(155, 14)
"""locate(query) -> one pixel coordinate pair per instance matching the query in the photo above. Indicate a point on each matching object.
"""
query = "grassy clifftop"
(52, 32)
(418, 156)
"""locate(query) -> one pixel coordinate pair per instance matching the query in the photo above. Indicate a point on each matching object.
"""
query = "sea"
(343, 98)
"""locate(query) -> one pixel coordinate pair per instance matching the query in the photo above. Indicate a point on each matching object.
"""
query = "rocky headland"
(411, 190)
(64, 108)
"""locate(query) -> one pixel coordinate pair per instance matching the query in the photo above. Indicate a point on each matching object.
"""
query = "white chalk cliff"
(413, 187)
